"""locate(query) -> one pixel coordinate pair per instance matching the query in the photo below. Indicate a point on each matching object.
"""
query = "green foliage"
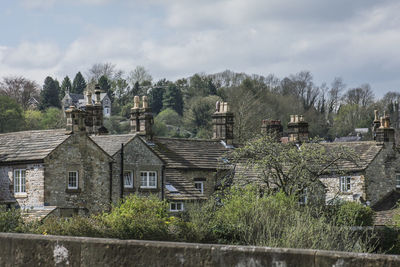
(156, 96)
(354, 214)
(79, 84)
(117, 125)
(138, 218)
(11, 115)
(66, 86)
(173, 99)
(169, 116)
(49, 96)
(53, 119)
(10, 220)
(105, 86)
(33, 119)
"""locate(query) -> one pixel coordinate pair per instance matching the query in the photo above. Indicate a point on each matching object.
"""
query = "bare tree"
(334, 94)
(362, 96)
(101, 69)
(20, 89)
(139, 75)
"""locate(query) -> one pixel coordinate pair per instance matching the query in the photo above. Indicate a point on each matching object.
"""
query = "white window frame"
(345, 183)
(201, 183)
(19, 181)
(131, 176)
(397, 180)
(176, 206)
(77, 180)
(146, 183)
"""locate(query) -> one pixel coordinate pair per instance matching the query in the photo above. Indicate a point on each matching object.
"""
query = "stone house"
(79, 101)
(52, 169)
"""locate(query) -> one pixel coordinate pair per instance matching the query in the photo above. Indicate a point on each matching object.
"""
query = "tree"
(101, 69)
(173, 99)
(20, 89)
(11, 116)
(79, 84)
(49, 94)
(362, 96)
(105, 86)
(140, 75)
(169, 117)
(66, 87)
(290, 169)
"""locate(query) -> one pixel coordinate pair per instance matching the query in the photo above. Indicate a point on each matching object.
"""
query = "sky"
(356, 40)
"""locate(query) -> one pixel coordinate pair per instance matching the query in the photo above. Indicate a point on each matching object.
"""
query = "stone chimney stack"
(97, 116)
(376, 124)
(223, 121)
(142, 118)
(89, 113)
(75, 120)
(385, 133)
(297, 129)
(273, 128)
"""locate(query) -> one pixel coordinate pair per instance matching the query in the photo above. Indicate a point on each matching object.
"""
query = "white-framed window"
(345, 185)
(176, 206)
(128, 179)
(19, 181)
(148, 179)
(73, 178)
(199, 185)
(107, 111)
(397, 180)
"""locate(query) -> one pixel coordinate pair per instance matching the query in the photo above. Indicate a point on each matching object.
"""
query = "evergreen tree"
(173, 99)
(66, 86)
(49, 94)
(156, 99)
(105, 85)
(79, 84)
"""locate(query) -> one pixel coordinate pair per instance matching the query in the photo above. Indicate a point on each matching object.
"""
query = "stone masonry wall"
(381, 174)
(34, 177)
(137, 157)
(37, 250)
(78, 153)
(357, 188)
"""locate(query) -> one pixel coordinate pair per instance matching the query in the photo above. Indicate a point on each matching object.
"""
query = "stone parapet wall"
(37, 250)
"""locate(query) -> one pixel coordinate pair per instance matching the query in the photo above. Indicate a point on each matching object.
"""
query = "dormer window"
(199, 185)
(148, 179)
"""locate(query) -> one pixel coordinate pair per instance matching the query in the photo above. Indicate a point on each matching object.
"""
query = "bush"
(354, 214)
(10, 220)
(138, 218)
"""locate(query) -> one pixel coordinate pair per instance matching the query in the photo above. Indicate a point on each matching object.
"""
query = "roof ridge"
(35, 131)
(188, 139)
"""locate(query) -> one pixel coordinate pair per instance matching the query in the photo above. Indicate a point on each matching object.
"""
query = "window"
(148, 179)
(128, 179)
(19, 181)
(73, 180)
(303, 197)
(199, 186)
(397, 180)
(176, 206)
(345, 184)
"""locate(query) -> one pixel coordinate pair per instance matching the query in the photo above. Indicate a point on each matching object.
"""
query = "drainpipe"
(122, 171)
(111, 175)
(162, 181)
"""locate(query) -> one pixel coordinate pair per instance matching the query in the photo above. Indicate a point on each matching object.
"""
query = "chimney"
(273, 128)
(97, 114)
(75, 120)
(385, 133)
(297, 129)
(376, 124)
(89, 113)
(142, 118)
(222, 121)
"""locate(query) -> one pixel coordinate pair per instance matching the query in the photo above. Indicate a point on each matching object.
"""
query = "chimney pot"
(144, 102)
(136, 102)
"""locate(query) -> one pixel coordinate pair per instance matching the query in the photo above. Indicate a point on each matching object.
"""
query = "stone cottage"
(62, 170)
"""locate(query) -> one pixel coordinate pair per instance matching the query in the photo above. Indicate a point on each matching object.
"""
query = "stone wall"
(381, 174)
(357, 188)
(137, 157)
(34, 186)
(37, 250)
(78, 153)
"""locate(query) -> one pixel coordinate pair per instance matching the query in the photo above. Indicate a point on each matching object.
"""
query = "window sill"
(129, 189)
(72, 191)
(346, 193)
(148, 189)
(20, 195)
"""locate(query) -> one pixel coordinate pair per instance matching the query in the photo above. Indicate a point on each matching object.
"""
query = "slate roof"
(29, 145)
(112, 143)
(76, 97)
(190, 153)
(185, 189)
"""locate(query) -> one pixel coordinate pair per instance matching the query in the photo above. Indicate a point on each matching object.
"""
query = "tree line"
(183, 107)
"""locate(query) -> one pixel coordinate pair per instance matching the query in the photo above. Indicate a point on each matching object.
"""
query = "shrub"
(354, 214)
(10, 220)
(138, 218)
